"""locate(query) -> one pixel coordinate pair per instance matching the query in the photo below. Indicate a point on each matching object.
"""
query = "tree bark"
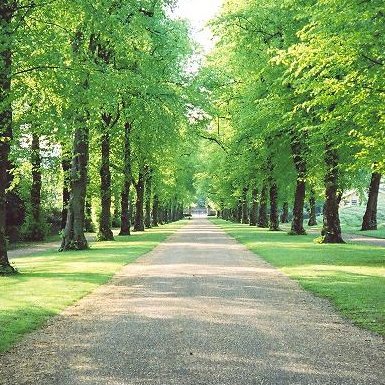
(105, 232)
(254, 207)
(285, 213)
(139, 209)
(66, 167)
(274, 216)
(245, 209)
(148, 196)
(238, 217)
(299, 202)
(369, 221)
(6, 14)
(116, 212)
(155, 211)
(263, 220)
(312, 211)
(297, 149)
(73, 234)
(88, 223)
(331, 220)
(125, 224)
(35, 226)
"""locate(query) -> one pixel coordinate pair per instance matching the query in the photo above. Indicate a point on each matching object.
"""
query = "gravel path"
(363, 239)
(198, 310)
(38, 247)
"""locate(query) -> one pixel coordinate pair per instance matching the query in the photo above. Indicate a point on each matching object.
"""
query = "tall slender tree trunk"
(312, 211)
(254, 207)
(263, 220)
(297, 149)
(299, 202)
(73, 234)
(66, 167)
(369, 221)
(245, 209)
(174, 210)
(125, 223)
(139, 204)
(35, 231)
(105, 232)
(155, 211)
(274, 216)
(148, 196)
(116, 211)
(169, 212)
(6, 14)
(88, 222)
(238, 217)
(331, 220)
(285, 213)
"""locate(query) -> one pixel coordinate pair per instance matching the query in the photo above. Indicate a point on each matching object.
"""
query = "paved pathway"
(39, 247)
(198, 310)
(363, 239)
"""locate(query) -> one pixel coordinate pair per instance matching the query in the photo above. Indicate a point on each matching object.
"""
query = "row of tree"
(94, 100)
(297, 92)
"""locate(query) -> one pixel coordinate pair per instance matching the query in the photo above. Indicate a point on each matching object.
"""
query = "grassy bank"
(351, 276)
(51, 281)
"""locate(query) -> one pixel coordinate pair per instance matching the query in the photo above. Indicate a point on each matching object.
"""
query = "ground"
(199, 309)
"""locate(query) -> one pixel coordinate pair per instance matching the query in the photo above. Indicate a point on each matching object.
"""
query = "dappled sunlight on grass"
(50, 281)
(352, 276)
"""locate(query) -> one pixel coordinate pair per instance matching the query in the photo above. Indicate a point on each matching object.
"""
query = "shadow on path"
(199, 309)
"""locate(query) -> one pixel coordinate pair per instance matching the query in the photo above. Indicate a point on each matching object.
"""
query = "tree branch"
(215, 140)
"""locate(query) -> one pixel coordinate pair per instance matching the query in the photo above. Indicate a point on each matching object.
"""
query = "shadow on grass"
(14, 323)
(241, 336)
(352, 276)
(50, 281)
(282, 249)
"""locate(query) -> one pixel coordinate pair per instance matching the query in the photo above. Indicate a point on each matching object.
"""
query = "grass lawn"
(51, 281)
(351, 276)
(351, 220)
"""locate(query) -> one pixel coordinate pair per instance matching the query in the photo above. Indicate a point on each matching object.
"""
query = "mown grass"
(351, 220)
(351, 276)
(50, 281)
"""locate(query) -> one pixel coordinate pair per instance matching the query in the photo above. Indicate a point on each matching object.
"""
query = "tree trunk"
(263, 220)
(66, 167)
(274, 216)
(116, 212)
(312, 211)
(73, 234)
(331, 220)
(238, 216)
(125, 223)
(139, 214)
(155, 211)
(148, 194)
(245, 209)
(6, 14)
(254, 208)
(297, 149)
(105, 233)
(88, 223)
(35, 230)
(174, 210)
(168, 215)
(369, 221)
(299, 202)
(285, 213)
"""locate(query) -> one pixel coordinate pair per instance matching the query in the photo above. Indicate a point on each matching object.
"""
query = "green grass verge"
(351, 220)
(50, 281)
(351, 276)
